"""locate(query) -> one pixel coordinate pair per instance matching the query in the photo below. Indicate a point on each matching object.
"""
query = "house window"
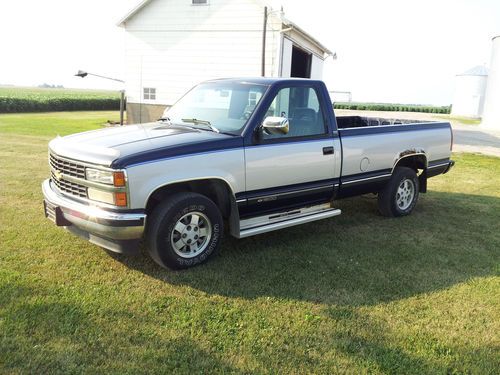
(149, 93)
(199, 2)
(253, 98)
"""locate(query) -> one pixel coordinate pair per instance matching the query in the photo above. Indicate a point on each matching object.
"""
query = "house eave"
(306, 35)
(132, 13)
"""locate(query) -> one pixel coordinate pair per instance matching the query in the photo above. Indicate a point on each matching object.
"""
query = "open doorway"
(301, 63)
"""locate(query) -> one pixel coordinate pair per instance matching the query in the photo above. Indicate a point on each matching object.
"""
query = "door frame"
(311, 191)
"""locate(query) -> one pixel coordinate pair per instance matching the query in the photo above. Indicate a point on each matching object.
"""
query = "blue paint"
(171, 152)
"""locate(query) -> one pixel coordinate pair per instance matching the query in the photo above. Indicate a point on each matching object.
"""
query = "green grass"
(354, 294)
(54, 123)
(460, 120)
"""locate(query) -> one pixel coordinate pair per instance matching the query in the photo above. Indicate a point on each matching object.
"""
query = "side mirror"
(276, 125)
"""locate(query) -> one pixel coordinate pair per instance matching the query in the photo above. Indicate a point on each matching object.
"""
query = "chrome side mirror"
(276, 125)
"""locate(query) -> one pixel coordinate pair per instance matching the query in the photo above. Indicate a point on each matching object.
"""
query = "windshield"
(223, 106)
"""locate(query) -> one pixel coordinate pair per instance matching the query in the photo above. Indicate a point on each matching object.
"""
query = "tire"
(400, 195)
(184, 231)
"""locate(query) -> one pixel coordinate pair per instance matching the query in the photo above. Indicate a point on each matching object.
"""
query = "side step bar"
(263, 224)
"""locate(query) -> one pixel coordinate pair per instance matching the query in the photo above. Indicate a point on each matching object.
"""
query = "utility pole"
(84, 74)
(263, 63)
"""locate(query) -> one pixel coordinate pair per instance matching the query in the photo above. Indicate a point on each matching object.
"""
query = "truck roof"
(261, 80)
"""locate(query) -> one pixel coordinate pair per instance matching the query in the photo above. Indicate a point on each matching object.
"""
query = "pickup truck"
(245, 156)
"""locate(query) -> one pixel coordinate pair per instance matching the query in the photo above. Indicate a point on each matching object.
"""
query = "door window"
(300, 105)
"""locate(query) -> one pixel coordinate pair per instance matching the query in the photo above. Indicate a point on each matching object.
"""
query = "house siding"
(172, 45)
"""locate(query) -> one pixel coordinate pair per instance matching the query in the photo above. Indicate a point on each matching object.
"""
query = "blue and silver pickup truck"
(243, 155)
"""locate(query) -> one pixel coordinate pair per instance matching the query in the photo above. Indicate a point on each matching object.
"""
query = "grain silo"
(491, 114)
(470, 89)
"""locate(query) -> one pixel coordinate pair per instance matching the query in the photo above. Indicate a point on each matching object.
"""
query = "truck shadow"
(358, 258)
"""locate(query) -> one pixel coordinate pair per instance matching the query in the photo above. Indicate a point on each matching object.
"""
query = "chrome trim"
(276, 125)
(366, 179)
(289, 222)
(87, 183)
(439, 165)
(92, 184)
(267, 219)
(420, 153)
(95, 220)
(241, 200)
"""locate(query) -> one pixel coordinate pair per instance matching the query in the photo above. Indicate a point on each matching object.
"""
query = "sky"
(403, 51)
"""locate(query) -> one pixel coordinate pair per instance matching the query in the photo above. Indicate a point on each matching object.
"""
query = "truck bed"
(346, 122)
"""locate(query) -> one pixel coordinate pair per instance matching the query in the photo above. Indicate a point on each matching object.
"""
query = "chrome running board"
(268, 223)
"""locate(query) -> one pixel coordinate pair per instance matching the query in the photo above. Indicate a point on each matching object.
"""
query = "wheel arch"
(215, 188)
(416, 160)
(411, 159)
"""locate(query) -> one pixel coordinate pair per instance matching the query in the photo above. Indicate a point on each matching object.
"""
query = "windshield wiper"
(167, 119)
(200, 122)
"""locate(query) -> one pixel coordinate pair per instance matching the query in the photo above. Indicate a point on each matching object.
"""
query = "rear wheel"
(400, 195)
(184, 231)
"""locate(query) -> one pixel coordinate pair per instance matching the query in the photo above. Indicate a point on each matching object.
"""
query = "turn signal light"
(121, 199)
(119, 179)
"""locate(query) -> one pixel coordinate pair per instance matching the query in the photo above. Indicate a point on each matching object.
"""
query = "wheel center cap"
(190, 235)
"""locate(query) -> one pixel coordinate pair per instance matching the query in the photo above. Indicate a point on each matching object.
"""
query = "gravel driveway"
(467, 138)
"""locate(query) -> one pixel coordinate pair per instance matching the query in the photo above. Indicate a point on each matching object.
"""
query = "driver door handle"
(328, 150)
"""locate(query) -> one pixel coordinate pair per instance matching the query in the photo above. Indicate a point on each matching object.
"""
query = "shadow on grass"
(359, 258)
(42, 335)
(370, 345)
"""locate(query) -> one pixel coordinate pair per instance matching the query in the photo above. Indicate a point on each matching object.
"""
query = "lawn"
(458, 119)
(354, 294)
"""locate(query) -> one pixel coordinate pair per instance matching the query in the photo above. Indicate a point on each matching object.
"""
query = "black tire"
(389, 202)
(162, 235)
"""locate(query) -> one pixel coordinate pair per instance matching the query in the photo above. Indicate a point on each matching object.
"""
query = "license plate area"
(54, 214)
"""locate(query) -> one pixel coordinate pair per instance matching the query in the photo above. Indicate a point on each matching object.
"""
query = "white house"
(173, 44)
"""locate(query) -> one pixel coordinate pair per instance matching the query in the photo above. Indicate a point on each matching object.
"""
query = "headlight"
(115, 198)
(105, 177)
(95, 175)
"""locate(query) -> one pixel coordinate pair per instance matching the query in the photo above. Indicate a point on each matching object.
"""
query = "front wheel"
(400, 195)
(184, 231)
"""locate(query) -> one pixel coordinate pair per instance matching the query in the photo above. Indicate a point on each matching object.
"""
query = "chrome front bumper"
(115, 231)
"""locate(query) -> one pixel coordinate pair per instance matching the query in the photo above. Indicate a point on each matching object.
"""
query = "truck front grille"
(69, 187)
(59, 167)
(67, 167)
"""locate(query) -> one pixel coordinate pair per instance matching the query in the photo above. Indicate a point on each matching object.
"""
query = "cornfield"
(18, 100)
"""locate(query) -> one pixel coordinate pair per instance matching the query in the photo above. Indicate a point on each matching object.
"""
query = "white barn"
(173, 44)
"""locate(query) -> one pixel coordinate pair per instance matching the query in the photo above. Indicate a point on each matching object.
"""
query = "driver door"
(291, 170)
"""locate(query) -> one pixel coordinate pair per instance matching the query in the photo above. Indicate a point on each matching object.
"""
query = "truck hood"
(106, 146)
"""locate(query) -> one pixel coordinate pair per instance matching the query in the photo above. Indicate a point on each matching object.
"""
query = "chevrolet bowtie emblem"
(57, 175)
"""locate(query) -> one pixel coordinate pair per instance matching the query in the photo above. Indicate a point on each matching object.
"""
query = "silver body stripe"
(439, 165)
(366, 179)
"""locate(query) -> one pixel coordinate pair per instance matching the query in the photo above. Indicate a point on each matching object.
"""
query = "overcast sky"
(388, 50)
